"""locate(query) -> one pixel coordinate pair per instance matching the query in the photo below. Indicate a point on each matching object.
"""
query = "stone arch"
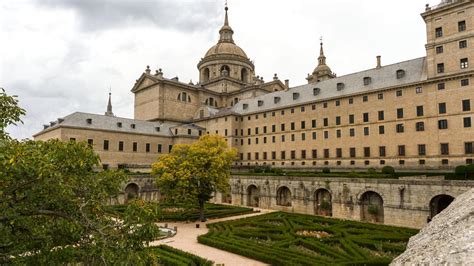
(371, 207)
(438, 203)
(206, 74)
(225, 70)
(226, 196)
(253, 196)
(283, 196)
(244, 75)
(131, 191)
(322, 202)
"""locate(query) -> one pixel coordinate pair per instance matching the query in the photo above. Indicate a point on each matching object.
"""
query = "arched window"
(400, 73)
(284, 196)
(244, 75)
(367, 81)
(252, 196)
(322, 202)
(211, 102)
(206, 74)
(184, 97)
(225, 70)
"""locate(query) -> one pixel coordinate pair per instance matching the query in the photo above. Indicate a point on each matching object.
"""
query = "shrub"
(257, 169)
(371, 171)
(278, 171)
(326, 170)
(388, 170)
(267, 169)
(470, 171)
(460, 170)
(353, 174)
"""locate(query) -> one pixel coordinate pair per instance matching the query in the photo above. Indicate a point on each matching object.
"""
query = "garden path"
(186, 240)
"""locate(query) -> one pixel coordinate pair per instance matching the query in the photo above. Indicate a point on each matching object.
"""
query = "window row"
(120, 146)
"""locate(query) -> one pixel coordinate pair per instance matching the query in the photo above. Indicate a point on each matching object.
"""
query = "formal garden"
(295, 239)
(168, 256)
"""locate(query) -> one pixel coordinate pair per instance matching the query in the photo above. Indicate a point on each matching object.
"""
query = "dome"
(226, 48)
(322, 68)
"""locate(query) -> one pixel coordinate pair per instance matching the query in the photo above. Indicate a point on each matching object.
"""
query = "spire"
(321, 58)
(226, 31)
(109, 106)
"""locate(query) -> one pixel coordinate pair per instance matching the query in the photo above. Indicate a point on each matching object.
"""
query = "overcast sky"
(62, 56)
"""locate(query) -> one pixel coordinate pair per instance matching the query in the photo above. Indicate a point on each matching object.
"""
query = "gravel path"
(186, 239)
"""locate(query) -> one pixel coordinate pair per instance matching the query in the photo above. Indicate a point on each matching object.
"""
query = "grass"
(169, 256)
(295, 239)
(181, 212)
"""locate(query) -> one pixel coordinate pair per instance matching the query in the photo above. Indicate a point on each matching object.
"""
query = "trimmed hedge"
(169, 256)
(276, 239)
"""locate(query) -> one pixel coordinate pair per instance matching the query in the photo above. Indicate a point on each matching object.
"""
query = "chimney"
(287, 83)
(379, 63)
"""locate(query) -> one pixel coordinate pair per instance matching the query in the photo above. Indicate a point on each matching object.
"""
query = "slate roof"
(383, 77)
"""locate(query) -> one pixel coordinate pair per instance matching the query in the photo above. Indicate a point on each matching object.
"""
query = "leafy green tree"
(10, 113)
(191, 173)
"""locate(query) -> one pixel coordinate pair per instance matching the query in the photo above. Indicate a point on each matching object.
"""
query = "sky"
(63, 56)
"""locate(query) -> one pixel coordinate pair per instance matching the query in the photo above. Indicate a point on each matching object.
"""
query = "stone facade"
(408, 202)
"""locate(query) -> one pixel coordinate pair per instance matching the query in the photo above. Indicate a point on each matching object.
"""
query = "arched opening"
(371, 207)
(131, 191)
(439, 203)
(227, 196)
(284, 196)
(225, 70)
(244, 75)
(322, 202)
(211, 102)
(206, 74)
(252, 196)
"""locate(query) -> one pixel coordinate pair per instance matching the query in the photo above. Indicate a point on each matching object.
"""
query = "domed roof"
(322, 68)
(226, 48)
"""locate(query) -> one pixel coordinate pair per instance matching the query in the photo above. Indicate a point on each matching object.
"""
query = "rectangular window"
(326, 153)
(365, 117)
(273, 128)
(338, 120)
(274, 155)
(249, 156)
(466, 105)
(439, 32)
(264, 129)
(400, 113)
(292, 137)
(314, 154)
(420, 126)
(444, 148)
(106, 145)
(419, 110)
(147, 147)
(159, 148)
(326, 134)
(462, 25)
(441, 86)
(381, 130)
(303, 136)
(380, 96)
(400, 128)
(338, 133)
(351, 100)
(303, 154)
(273, 139)
(418, 90)
(467, 122)
(170, 147)
(264, 155)
(249, 131)
(442, 108)
(439, 49)
(401, 150)
(283, 155)
(365, 98)
(468, 148)
(282, 138)
(338, 103)
(381, 115)
(256, 131)
(464, 82)
(120, 146)
(382, 151)
(90, 142)
(282, 127)
(257, 157)
(303, 124)
(366, 151)
(351, 119)
(464, 63)
(442, 124)
(351, 132)
(313, 123)
(325, 122)
(314, 135)
(399, 93)
(440, 68)
(338, 152)
(462, 44)
(366, 131)
(421, 149)
(352, 152)
(302, 109)
(135, 146)
(325, 105)
(292, 126)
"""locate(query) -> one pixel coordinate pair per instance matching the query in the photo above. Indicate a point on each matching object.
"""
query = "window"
(351, 132)
(382, 151)
(351, 100)
(381, 130)
(326, 153)
(444, 148)
(257, 157)
(401, 162)
(468, 147)
(302, 109)
(365, 117)
(282, 127)
(283, 155)
(147, 147)
(314, 135)
(273, 128)
(438, 32)
(467, 122)
(419, 110)
(292, 110)
(314, 154)
(399, 93)
(366, 151)
(245, 106)
(419, 90)
(120, 146)
(274, 155)
(72, 139)
(338, 133)
(400, 113)
(190, 131)
(90, 142)
(259, 103)
(282, 138)
(106, 145)
(439, 49)
(303, 154)
(326, 134)
(325, 122)
(313, 123)
(421, 149)
(292, 137)
(303, 136)
(273, 139)
(421, 162)
(381, 115)
(352, 152)
(316, 91)
(367, 81)
(400, 128)
(380, 96)
(119, 124)
(292, 126)
(351, 119)
(135, 146)
(462, 25)
(440, 68)
(464, 63)
(340, 86)
(295, 95)
(442, 108)
(420, 126)
(338, 152)
(466, 105)
(462, 44)
(325, 105)
(264, 155)
(441, 86)
(303, 124)
(365, 98)
(366, 131)
(401, 150)
(443, 124)
(159, 148)
(264, 129)
(313, 107)
(464, 82)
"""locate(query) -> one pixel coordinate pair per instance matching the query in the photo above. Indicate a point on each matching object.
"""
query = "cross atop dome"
(226, 31)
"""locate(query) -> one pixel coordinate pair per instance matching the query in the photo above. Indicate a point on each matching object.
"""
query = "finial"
(321, 40)
(109, 104)
(226, 21)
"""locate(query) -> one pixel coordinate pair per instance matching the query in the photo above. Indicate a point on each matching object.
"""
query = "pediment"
(143, 82)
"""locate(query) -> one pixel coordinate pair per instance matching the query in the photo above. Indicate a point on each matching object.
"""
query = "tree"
(191, 173)
(10, 113)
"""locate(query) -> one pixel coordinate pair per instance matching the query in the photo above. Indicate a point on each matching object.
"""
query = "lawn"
(169, 256)
(182, 212)
(295, 239)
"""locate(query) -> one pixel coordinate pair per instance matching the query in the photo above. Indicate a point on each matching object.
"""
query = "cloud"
(97, 15)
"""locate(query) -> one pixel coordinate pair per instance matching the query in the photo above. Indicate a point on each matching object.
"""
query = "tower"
(322, 71)
(109, 106)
